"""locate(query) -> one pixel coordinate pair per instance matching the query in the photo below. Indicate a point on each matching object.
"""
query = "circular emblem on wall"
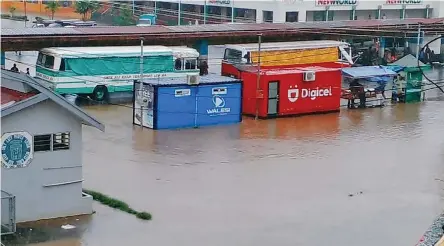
(17, 149)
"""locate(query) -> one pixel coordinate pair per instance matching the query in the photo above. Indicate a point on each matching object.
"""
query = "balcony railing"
(8, 213)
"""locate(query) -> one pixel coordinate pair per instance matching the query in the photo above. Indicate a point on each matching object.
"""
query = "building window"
(267, 16)
(42, 143)
(54, 142)
(291, 17)
(60, 141)
(190, 64)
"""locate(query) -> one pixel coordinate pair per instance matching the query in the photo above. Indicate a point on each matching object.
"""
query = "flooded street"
(358, 177)
(275, 182)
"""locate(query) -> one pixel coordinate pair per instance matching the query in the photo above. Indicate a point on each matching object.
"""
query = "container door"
(273, 98)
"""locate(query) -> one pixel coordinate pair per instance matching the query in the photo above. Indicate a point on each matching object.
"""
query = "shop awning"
(367, 72)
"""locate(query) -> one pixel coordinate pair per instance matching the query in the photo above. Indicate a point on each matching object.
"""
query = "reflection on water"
(310, 126)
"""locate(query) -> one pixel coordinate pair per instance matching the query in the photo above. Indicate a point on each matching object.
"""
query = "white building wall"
(341, 15)
(34, 201)
(363, 8)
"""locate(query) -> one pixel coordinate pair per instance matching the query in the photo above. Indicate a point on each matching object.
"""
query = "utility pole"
(141, 61)
(179, 13)
(133, 6)
(232, 11)
(26, 16)
(418, 41)
(141, 79)
(205, 12)
(155, 6)
(258, 82)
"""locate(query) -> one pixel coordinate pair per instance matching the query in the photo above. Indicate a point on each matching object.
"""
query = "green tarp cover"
(119, 65)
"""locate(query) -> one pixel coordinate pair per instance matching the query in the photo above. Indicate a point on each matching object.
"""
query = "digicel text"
(314, 93)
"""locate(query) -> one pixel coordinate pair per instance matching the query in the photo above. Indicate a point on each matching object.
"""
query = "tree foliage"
(12, 9)
(52, 7)
(123, 16)
(84, 7)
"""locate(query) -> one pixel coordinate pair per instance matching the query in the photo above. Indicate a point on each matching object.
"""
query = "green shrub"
(116, 204)
(143, 216)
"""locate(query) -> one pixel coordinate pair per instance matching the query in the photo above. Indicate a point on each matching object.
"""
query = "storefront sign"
(406, 2)
(336, 2)
(219, 106)
(219, 2)
(293, 93)
(17, 149)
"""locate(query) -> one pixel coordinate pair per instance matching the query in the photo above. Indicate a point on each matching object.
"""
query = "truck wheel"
(100, 93)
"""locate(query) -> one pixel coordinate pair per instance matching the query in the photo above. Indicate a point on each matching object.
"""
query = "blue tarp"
(368, 72)
(395, 68)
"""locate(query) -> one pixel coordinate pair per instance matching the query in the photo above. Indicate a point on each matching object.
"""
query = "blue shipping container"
(170, 103)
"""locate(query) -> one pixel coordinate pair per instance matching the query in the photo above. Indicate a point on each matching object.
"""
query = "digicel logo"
(293, 93)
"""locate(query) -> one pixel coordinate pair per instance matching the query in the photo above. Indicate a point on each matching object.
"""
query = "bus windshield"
(144, 22)
(46, 61)
(233, 55)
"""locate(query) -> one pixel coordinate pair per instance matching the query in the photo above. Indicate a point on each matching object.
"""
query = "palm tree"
(12, 9)
(83, 7)
(52, 7)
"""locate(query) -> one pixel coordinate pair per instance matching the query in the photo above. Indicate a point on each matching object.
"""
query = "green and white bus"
(99, 71)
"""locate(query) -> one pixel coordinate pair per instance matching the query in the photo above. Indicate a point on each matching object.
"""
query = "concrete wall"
(39, 9)
(34, 201)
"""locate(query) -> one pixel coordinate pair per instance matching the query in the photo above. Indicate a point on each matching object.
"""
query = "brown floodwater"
(269, 182)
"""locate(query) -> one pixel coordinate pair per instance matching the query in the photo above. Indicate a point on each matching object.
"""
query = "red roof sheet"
(9, 95)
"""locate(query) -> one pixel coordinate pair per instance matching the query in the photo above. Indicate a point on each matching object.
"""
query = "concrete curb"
(434, 235)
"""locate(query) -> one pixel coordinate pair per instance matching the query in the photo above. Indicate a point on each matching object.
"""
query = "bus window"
(49, 62)
(190, 64)
(45, 61)
(40, 59)
(62, 65)
(178, 64)
(233, 55)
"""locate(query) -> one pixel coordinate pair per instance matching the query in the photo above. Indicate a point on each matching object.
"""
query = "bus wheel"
(100, 93)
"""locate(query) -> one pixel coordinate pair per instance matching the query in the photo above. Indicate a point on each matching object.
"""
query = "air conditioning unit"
(309, 76)
(193, 79)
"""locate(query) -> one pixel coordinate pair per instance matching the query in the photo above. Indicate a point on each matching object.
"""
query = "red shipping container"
(285, 92)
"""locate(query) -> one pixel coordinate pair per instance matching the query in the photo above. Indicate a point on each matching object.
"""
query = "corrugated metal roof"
(297, 70)
(207, 79)
(288, 45)
(39, 31)
(122, 30)
(45, 93)
(9, 96)
(250, 27)
(107, 51)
